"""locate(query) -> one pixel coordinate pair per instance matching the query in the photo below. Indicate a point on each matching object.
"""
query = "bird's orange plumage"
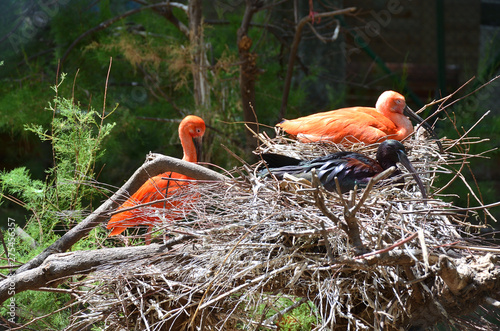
(191, 131)
(349, 125)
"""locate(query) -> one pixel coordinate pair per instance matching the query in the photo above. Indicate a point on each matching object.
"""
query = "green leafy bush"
(59, 202)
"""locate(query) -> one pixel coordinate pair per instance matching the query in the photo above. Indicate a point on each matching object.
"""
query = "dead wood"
(155, 165)
(254, 241)
(57, 267)
(257, 240)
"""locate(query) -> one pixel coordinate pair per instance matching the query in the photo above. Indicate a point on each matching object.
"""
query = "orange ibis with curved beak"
(350, 168)
(358, 124)
(191, 130)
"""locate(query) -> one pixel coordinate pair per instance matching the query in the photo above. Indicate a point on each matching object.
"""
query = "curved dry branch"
(294, 48)
(107, 23)
(156, 166)
(59, 266)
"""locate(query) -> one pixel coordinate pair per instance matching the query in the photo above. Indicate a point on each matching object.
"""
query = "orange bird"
(358, 124)
(191, 130)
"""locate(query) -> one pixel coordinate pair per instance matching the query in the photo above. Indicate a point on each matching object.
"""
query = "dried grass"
(250, 241)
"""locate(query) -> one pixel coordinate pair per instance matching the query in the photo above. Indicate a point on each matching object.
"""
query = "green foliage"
(76, 137)
(29, 304)
(24, 106)
(301, 318)
(19, 183)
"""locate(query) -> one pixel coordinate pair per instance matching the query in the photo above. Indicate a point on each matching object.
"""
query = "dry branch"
(295, 46)
(57, 267)
(263, 239)
(254, 241)
(109, 22)
(157, 164)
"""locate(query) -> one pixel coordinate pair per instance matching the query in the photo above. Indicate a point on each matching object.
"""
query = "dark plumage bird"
(349, 167)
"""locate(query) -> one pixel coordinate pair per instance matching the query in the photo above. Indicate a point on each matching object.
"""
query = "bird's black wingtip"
(277, 160)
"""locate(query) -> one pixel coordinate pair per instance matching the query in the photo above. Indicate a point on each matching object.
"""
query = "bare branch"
(158, 165)
(387, 249)
(60, 266)
(294, 48)
(107, 23)
(320, 203)
(374, 180)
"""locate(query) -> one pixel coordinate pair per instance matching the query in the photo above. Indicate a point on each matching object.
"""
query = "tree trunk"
(199, 63)
(248, 73)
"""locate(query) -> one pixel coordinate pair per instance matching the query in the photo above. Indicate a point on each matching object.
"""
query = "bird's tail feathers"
(277, 160)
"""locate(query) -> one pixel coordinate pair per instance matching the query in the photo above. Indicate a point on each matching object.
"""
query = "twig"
(387, 249)
(374, 180)
(339, 192)
(352, 228)
(327, 242)
(320, 203)
(457, 141)
(202, 305)
(246, 284)
(107, 23)
(66, 306)
(157, 166)
(273, 318)
(293, 52)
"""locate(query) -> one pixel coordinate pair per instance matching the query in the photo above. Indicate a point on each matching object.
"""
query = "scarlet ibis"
(350, 168)
(358, 124)
(191, 130)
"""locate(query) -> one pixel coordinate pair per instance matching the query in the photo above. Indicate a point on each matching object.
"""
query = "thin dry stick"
(339, 192)
(253, 281)
(374, 180)
(273, 318)
(457, 141)
(327, 243)
(36, 319)
(350, 213)
(352, 228)
(200, 304)
(320, 203)
(387, 249)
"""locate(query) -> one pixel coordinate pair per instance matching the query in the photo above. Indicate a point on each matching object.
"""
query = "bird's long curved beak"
(197, 145)
(412, 115)
(404, 161)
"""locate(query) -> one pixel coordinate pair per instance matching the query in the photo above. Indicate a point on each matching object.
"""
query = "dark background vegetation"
(228, 62)
(424, 49)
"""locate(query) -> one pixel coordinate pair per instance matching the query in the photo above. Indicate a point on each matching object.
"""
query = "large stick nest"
(244, 245)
